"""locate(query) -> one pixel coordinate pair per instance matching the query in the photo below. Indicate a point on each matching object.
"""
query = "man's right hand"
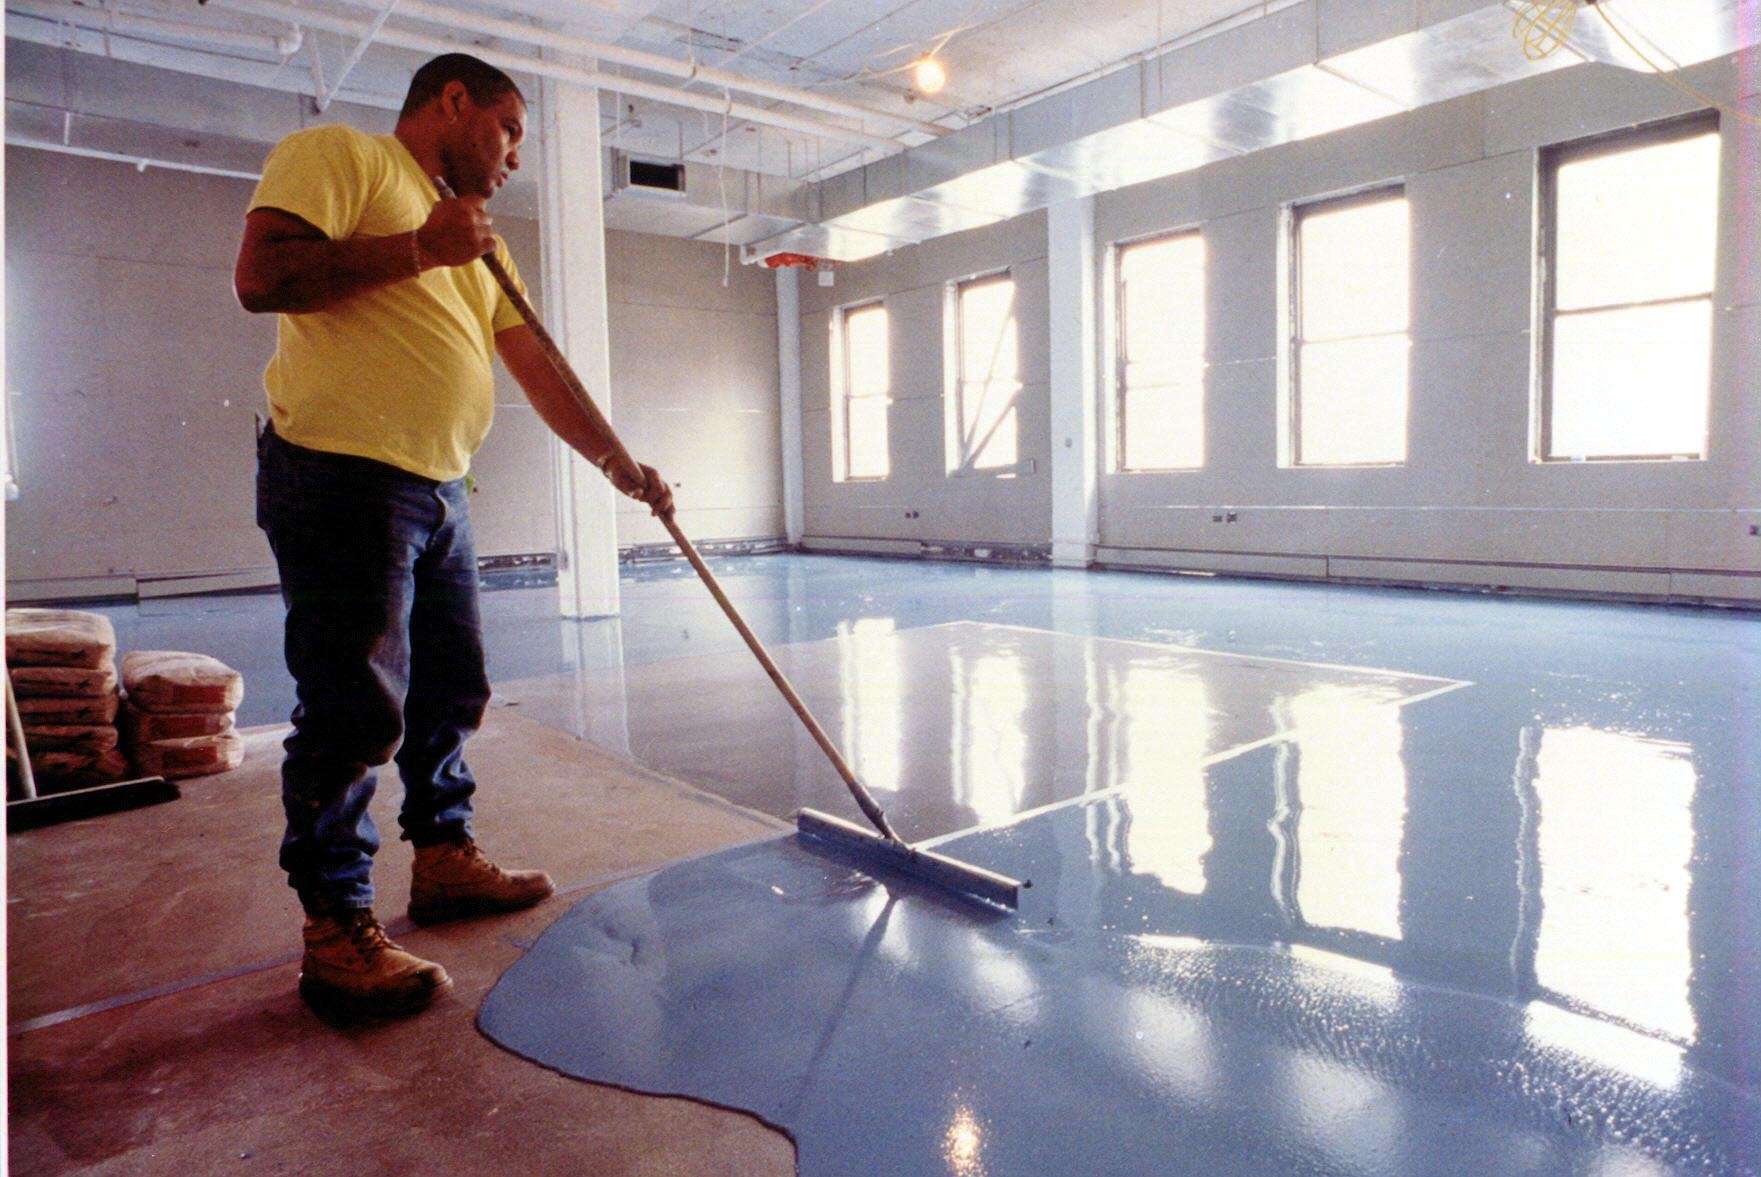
(456, 233)
(642, 483)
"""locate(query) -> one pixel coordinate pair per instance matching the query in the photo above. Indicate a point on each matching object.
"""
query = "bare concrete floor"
(155, 1027)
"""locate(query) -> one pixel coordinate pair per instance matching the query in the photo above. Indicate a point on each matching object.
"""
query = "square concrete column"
(789, 400)
(572, 231)
(1070, 259)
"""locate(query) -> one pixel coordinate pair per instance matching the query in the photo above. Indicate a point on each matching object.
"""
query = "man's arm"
(555, 401)
(289, 266)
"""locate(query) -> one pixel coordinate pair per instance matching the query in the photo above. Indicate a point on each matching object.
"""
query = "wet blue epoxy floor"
(1554, 870)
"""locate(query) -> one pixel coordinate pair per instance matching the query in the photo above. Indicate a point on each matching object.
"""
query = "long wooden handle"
(15, 740)
(864, 799)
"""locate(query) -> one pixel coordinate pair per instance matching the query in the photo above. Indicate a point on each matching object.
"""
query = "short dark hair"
(483, 82)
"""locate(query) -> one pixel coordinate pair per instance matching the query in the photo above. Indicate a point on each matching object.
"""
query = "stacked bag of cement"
(179, 713)
(63, 668)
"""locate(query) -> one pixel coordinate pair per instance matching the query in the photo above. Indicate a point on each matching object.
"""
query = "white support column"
(789, 399)
(572, 227)
(1070, 253)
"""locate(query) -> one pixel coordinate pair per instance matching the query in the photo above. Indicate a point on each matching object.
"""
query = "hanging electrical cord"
(721, 182)
(1544, 26)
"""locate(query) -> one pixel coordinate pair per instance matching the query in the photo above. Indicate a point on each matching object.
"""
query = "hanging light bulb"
(929, 75)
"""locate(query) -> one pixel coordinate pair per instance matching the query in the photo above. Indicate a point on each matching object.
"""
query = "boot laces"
(476, 858)
(367, 936)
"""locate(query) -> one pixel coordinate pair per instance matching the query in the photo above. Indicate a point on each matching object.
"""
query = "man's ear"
(453, 100)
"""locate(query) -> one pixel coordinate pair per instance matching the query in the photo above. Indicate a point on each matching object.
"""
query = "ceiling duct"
(1294, 75)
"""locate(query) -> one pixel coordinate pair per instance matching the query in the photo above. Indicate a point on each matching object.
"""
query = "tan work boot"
(351, 970)
(453, 881)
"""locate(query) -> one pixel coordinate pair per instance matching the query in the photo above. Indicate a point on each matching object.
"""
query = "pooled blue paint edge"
(754, 979)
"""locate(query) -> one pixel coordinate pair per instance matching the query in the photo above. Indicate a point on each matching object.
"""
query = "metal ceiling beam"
(575, 75)
(454, 18)
(354, 59)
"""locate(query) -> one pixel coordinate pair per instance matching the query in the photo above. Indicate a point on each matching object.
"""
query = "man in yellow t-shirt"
(380, 391)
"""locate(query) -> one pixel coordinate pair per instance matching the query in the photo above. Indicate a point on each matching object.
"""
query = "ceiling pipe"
(657, 63)
(56, 33)
(592, 79)
(130, 24)
(140, 162)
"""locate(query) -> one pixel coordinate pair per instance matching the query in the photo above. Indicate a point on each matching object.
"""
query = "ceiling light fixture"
(929, 74)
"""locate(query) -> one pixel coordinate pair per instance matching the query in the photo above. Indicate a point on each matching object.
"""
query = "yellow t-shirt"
(400, 374)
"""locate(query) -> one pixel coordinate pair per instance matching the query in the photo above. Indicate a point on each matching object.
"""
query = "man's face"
(485, 145)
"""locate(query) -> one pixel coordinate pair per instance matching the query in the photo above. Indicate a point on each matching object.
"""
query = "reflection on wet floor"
(1613, 840)
(1509, 927)
(1329, 918)
(1117, 1024)
(963, 725)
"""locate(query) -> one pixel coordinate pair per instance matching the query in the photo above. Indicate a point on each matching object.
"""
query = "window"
(1628, 261)
(1350, 347)
(985, 365)
(860, 400)
(1159, 345)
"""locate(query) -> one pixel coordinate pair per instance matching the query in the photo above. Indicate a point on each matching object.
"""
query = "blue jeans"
(384, 640)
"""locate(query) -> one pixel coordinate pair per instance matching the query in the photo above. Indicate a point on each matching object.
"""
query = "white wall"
(694, 385)
(970, 506)
(1468, 506)
(133, 377)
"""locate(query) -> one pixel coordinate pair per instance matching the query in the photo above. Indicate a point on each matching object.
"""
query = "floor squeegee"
(884, 848)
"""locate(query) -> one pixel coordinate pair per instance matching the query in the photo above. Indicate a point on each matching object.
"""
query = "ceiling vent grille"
(648, 177)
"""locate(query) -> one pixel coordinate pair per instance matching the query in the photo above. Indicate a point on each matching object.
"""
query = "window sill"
(1627, 460)
(998, 473)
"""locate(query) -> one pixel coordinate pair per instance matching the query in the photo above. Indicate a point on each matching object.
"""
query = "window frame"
(844, 396)
(1297, 213)
(954, 374)
(1118, 352)
(1549, 162)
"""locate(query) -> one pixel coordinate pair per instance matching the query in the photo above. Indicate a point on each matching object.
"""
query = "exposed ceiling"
(997, 52)
(797, 118)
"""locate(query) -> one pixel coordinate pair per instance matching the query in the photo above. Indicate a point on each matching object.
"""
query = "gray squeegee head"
(961, 877)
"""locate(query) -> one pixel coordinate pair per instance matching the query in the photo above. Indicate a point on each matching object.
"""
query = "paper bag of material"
(49, 711)
(58, 637)
(195, 756)
(91, 739)
(177, 682)
(67, 682)
(70, 769)
(146, 727)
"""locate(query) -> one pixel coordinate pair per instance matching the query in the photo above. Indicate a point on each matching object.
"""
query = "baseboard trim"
(1645, 586)
(960, 551)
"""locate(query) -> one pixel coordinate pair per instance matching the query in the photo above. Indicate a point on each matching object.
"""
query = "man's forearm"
(554, 401)
(301, 274)
(558, 410)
